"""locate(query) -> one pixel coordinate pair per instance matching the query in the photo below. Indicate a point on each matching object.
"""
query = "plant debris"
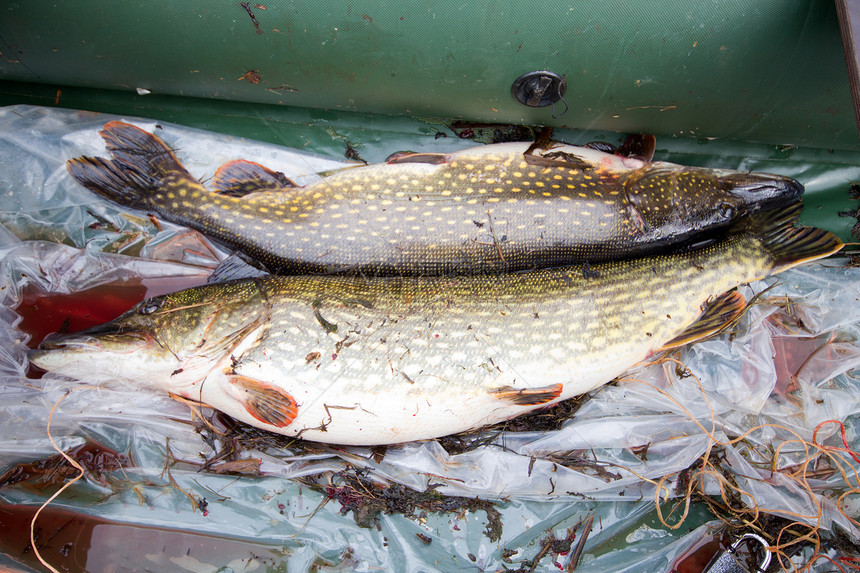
(789, 537)
(95, 458)
(493, 132)
(853, 193)
(549, 545)
(252, 76)
(247, 7)
(366, 499)
(541, 420)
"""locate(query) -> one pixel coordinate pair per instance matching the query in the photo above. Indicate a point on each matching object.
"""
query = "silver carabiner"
(726, 562)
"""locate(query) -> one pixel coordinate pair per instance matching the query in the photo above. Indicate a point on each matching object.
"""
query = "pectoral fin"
(239, 178)
(528, 396)
(720, 314)
(267, 403)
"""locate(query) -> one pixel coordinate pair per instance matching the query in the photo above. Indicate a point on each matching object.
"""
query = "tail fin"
(788, 245)
(141, 163)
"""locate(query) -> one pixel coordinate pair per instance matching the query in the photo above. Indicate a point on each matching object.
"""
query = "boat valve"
(540, 89)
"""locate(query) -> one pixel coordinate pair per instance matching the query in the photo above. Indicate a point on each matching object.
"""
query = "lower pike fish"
(357, 360)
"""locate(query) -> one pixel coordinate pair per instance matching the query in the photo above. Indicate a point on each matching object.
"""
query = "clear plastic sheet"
(788, 368)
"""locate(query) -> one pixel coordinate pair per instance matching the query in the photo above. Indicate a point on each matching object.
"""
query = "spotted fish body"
(484, 209)
(353, 360)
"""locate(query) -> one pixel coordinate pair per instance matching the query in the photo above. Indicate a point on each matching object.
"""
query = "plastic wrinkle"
(788, 369)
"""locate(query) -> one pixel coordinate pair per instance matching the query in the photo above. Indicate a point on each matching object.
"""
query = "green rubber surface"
(744, 69)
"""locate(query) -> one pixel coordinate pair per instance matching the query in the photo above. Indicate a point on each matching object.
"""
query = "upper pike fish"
(490, 208)
(377, 360)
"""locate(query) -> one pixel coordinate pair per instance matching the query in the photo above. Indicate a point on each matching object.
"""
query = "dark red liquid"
(43, 313)
(790, 354)
(697, 557)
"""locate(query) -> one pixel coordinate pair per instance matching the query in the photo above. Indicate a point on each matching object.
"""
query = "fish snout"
(108, 336)
(760, 191)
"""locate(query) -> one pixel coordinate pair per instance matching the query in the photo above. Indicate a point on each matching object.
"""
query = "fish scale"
(503, 207)
(358, 360)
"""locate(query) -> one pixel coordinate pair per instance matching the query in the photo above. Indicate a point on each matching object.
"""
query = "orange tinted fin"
(240, 177)
(720, 314)
(265, 402)
(528, 396)
(411, 157)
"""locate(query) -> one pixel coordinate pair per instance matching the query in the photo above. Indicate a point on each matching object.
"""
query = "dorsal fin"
(412, 157)
(719, 314)
(603, 146)
(240, 177)
(638, 146)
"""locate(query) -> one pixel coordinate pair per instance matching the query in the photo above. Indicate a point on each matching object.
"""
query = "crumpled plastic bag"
(784, 379)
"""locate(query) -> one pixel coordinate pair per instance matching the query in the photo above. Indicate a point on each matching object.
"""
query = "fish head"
(701, 198)
(171, 340)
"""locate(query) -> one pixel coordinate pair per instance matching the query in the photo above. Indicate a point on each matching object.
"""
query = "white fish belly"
(355, 398)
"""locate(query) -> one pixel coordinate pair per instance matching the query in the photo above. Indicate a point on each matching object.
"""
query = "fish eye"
(725, 210)
(150, 306)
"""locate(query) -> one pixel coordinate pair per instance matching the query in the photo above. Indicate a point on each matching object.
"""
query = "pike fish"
(359, 360)
(491, 208)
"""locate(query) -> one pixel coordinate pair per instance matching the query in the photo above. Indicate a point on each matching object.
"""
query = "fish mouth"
(762, 191)
(108, 336)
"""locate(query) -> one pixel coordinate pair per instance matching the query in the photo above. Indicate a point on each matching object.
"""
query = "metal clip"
(726, 562)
